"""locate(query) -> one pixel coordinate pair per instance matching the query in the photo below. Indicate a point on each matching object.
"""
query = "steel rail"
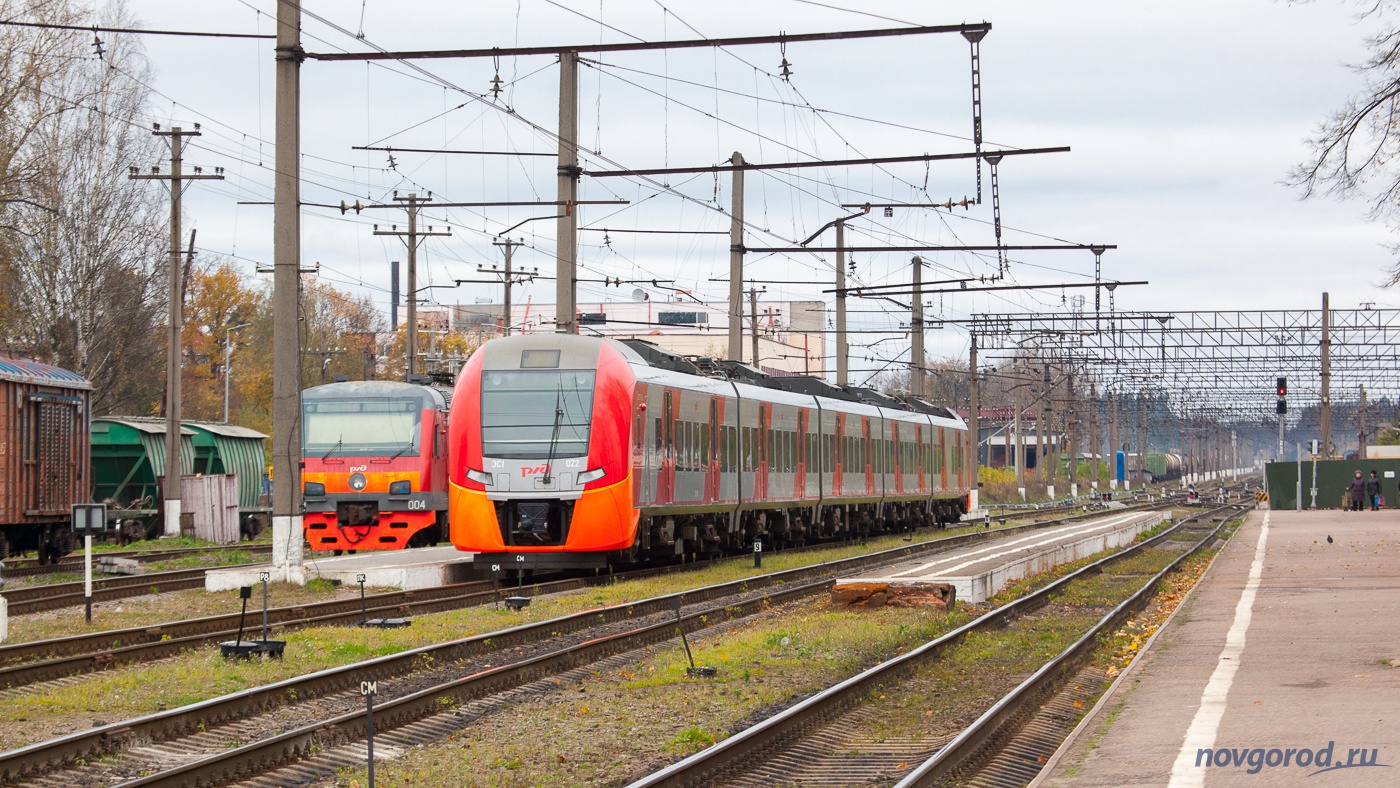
(970, 743)
(267, 754)
(29, 567)
(55, 753)
(37, 599)
(44, 660)
(731, 753)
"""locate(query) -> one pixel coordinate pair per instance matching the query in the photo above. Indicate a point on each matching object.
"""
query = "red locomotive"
(375, 472)
(565, 451)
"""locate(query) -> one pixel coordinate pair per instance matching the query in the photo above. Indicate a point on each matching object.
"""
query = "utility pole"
(843, 350)
(1020, 450)
(1070, 424)
(287, 534)
(974, 413)
(1114, 436)
(1093, 433)
(566, 251)
(1141, 441)
(1042, 418)
(753, 318)
(394, 295)
(736, 265)
(411, 240)
(1361, 425)
(176, 318)
(508, 278)
(1325, 409)
(916, 328)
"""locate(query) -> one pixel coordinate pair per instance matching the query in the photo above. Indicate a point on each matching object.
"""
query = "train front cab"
(540, 469)
(375, 456)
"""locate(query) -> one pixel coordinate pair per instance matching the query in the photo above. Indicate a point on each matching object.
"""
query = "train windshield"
(536, 414)
(361, 428)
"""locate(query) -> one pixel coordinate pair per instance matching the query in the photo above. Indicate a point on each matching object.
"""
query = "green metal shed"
(128, 456)
(225, 448)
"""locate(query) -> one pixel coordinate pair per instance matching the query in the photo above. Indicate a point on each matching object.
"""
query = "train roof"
(35, 372)
(431, 396)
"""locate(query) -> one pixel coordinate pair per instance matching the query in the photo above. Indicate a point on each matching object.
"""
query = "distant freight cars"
(568, 451)
(375, 465)
(44, 464)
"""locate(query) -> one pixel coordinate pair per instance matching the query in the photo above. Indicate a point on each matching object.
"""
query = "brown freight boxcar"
(44, 456)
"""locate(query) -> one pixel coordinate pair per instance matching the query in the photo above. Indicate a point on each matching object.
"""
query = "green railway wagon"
(128, 461)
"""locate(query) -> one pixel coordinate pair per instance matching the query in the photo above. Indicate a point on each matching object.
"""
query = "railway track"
(37, 599)
(209, 742)
(30, 567)
(796, 744)
(22, 664)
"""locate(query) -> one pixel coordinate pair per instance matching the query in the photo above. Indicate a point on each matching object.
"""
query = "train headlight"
(480, 477)
(313, 489)
(400, 488)
(357, 481)
(590, 476)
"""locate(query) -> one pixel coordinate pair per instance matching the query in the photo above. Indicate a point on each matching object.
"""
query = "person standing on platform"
(1356, 492)
(1373, 491)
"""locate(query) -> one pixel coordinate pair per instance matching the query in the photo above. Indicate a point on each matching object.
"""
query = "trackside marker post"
(369, 689)
(758, 554)
(88, 519)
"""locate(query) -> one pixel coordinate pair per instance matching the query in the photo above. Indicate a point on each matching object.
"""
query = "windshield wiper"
(339, 442)
(400, 452)
(554, 438)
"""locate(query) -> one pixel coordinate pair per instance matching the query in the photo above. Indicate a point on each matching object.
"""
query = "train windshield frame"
(367, 427)
(535, 414)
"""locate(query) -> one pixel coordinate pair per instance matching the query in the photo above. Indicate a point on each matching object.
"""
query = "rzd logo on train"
(539, 469)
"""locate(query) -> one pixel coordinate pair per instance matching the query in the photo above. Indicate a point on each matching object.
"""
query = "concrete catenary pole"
(843, 350)
(1361, 424)
(1325, 409)
(736, 261)
(566, 251)
(974, 406)
(753, 316)
(286, 300)
(916, 330)
(1093, 433)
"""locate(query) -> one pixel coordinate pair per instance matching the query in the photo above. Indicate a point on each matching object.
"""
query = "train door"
(764, 441)
(941, 453)
(709, 451)
(898, 457)
(868, 454)
(666, 473)
(49, 452)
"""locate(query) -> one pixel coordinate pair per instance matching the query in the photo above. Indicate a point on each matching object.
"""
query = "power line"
(135, 30)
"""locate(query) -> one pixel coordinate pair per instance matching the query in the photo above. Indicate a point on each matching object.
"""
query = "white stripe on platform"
(1206, 724)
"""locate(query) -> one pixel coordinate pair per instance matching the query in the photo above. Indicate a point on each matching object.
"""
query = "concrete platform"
(1289, 644)
(419, 567)
(979, 574)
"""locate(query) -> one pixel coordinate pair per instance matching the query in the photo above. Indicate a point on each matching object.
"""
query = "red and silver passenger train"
(375, 467)
(568, 451)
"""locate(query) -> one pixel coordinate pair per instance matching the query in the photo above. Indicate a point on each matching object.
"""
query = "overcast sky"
(1183, 117)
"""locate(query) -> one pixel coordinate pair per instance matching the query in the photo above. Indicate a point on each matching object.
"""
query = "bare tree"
(1355, 149)
(86, 243)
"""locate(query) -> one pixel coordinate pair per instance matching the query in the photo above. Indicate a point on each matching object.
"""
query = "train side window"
(705, 447)
(659, 447)
(746, 447)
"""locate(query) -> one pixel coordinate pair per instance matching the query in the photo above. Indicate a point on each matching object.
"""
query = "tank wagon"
(570, 451)
(44, 463)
